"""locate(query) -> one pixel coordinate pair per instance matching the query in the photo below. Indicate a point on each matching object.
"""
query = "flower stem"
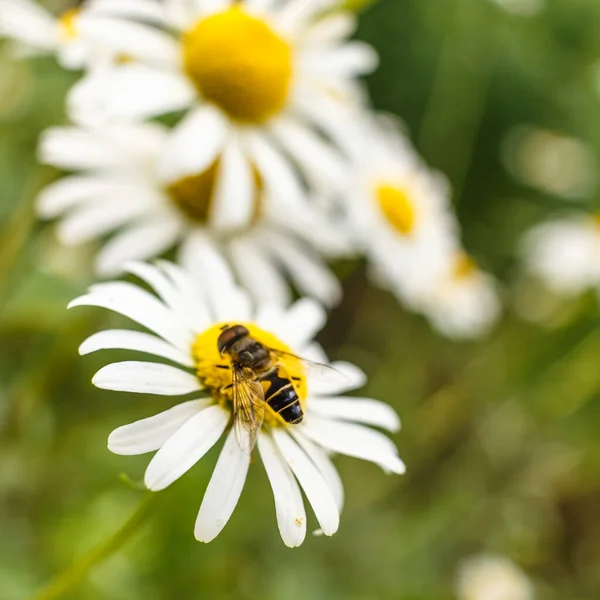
(76, 574)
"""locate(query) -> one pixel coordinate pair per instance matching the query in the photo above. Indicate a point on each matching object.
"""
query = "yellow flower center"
(216, 379)
(67, 24)
(238, 62)
(194, 194)
(397, 207)
(464, 267)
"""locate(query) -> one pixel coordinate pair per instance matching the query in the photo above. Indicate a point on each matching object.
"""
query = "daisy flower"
(262, 224)
(464, 302)
(37, 31)
(563, 253)
(401, 212)
(276, 78)
(487, 577)
(186, 321)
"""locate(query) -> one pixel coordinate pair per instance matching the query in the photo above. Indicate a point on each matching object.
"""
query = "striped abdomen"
(281, 396)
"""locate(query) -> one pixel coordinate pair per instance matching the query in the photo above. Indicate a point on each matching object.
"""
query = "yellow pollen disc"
(397, 207)
(215, 380)
(239, 63)
(464, 267)
(194, 194)
(68, 24)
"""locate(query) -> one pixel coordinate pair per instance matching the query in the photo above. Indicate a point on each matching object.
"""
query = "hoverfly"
(259, 378)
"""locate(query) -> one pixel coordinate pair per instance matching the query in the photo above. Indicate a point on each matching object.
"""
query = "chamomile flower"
(463, 303)
(279, 78)
(37, 31)
(563, 253)
(488, 577)
(260, 222)
(186, 321)
(400, 210)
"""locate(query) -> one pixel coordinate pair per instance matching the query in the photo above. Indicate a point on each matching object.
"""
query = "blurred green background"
(501, 437)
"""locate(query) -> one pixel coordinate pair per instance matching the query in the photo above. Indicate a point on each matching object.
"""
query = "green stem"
(76, 574)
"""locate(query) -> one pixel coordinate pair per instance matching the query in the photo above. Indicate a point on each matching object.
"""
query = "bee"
(260, 378)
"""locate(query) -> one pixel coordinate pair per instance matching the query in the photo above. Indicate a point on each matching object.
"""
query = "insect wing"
(315, 370)
(248, 409)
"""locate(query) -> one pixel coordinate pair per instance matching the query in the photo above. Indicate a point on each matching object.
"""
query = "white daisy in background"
(401, 212)
(37, 31)
(565, 253)
(260, 221)
(186, 321)
(464, 302)
(259, 76)
(488, 577)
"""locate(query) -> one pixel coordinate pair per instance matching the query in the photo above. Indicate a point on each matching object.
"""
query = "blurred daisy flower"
(487, 577)
(563, 253)
(186, 321)
(401, 212)
(274, 79)
(464, 302)
(36, 31)
(261, 223)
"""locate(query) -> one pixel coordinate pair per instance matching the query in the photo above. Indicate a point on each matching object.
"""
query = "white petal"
(319, 162)
(309, 273)
(29, 23)
(179, 13)
(194, 144)
(316, 489)
(211, 6)
(134, 340)
(351, 60)
(193, 306)
(302, 321)
(67, 192)
(223, 491)
(351, 378)
(295, 14)
(94, 219)
(136, 40)
(360, 410)
(270, 317)
(146, 378)
(289, 508)
(130, 91)
(138, 242)
(258, 274)
(259, 6)
(281, 182)
(326, 468)
(148, 435)
(331, 29)
(205, 263)
(186, 447)
(233, 203)
(354, 440)
(142, 10)
(332, 115)
(140, 306)
(115, 148)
